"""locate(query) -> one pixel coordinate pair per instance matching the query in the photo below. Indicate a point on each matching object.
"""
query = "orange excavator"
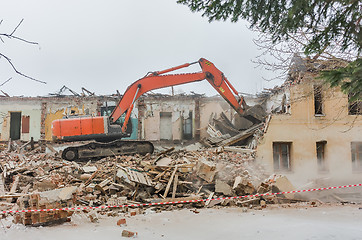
(107, 134)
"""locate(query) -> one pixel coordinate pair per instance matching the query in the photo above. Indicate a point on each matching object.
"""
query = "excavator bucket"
(255, 114)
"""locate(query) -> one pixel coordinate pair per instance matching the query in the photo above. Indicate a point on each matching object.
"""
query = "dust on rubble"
(33, 179)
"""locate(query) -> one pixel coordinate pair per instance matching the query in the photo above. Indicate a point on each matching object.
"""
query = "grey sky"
(104, 46)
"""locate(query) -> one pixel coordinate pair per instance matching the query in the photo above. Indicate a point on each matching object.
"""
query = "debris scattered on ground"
(32, 179)
(126, 233)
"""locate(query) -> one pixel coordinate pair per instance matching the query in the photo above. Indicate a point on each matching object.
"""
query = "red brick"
(121, 221)
(126, 233)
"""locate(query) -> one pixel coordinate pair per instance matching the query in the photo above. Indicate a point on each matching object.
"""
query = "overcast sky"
(105, 46)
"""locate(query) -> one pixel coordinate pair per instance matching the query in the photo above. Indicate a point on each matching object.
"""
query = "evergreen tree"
(330, 22)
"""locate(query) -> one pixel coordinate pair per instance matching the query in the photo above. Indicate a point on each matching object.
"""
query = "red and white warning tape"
(176, 202)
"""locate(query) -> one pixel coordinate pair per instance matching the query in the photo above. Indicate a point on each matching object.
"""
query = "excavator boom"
(157, 80)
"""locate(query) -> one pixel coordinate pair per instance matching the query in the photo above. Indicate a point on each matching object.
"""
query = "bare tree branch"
(16, 27)
(12, 36)
(5, 82)
(278, 56)
(20, 73)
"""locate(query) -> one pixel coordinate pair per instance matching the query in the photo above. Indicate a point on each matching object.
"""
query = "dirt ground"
(273, 222)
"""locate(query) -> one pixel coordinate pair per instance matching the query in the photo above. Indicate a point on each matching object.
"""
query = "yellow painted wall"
(48, 122)
(304, 129)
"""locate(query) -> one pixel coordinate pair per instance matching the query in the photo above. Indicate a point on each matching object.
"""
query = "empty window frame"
(281, 156)
(354, 107)
(318, 104)
(187, 127)
(356, 151)
(321, 159)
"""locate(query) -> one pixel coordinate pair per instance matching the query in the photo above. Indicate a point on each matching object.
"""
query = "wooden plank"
(2, 186)
(267, 123)
(12, 196)
(209, 199)
(142, 178)
(239, 149)
(138, 177)
(169, 182)
(175, 182)
(132, 176)
(241, 136)
(91, 177)
(176, 199)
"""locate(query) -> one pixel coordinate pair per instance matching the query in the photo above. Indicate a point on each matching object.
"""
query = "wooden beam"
(169, 182)
(241, 136)
(175, 182)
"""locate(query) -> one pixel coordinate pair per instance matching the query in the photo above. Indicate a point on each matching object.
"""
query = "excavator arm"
(157, 80)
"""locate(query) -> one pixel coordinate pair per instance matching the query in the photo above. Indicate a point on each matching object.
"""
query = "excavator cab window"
(106, 111)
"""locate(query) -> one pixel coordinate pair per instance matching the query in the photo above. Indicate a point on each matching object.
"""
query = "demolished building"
(182, 117)
(314, 131)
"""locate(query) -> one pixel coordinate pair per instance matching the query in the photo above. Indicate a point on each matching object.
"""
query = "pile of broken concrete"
(33, 179)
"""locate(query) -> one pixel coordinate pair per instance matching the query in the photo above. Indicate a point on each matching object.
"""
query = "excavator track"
(98, 150)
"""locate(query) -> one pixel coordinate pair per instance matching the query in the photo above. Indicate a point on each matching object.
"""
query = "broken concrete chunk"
(242, 186)
(284, 185)
(93, 217)
(59, 194)
(237, 181)
(85, 177)
(222, 187)
(194, 147)
(164, 162)
(89, 169)
(206, 170)
(44, 186)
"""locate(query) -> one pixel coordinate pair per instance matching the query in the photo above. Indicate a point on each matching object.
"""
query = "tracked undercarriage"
(94, 150)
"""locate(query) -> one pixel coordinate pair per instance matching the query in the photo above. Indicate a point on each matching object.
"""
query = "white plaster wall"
(27, 108)
(178, 108)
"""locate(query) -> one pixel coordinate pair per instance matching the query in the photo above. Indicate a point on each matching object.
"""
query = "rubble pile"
(243, 133)
(32, 179)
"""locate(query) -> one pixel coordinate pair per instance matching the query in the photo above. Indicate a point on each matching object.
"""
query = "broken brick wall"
(161, 113)
(162, 117)
(39, 112)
